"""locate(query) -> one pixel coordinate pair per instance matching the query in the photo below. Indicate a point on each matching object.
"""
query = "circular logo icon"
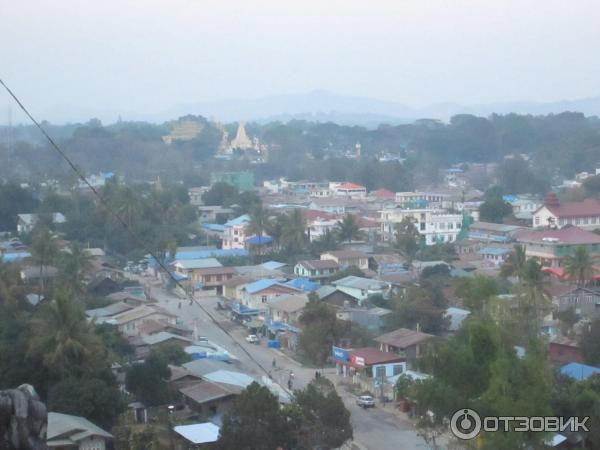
(465, 424)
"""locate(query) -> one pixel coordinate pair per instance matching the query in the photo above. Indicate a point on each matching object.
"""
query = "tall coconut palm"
(63, 338)
(74, 264)
(580, 265)
(44, 250)
(514, 264)
(348, 228)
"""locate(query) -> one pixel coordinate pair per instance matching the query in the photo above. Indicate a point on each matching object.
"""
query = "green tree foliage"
(580, 265)
(320, 331)
(74, 363)
(422, 306)
(221, 193)
(97, 399)
(14, 200)
(514, 264)
(590, 343)
(477, 291)
(147, 381)
(64, 339)
(114, 341)
(73, 265)
(516, 177)
(500, 383)
(44, 251)
(324, 420)
(255, 422)
(494, 209)
(407, 238)
(347, 229)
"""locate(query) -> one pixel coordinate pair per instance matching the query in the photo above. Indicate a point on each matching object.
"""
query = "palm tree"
(63, 338)
(514, 264)
(129, 206)
(73, 266)
(534, 301)
(348, 228)
(580, 265)
(259, 222)
(293, 237)
(44, 250)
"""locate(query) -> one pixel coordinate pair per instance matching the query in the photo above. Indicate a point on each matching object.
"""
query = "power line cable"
(123, 223)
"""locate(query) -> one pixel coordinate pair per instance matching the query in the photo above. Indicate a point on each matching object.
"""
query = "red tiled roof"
(568, 235)
(383, 193)
(367, 222)
(586, 208)
(312, 215)
(372, 355)
(350, 186)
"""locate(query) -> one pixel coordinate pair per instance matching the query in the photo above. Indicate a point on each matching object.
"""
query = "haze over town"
(151, 59)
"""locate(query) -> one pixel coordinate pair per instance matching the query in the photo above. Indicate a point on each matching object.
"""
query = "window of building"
(398, 369)
(380, 372)
(264, 299)
(537, 220)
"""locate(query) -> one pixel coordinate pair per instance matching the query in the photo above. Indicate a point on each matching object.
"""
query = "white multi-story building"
(434, 225)
(419, 198)
(234, 232)
(348, 190)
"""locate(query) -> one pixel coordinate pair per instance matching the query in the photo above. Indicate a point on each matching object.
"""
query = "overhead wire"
(124, 224)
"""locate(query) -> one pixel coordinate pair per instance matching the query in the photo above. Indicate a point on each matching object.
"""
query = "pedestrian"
(274, 363)
(290, 384)
(317, 375)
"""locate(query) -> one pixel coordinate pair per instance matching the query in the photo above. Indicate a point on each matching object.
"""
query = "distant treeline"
(558, 146)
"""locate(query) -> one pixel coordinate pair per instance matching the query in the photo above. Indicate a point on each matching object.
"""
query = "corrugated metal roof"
(198, 433)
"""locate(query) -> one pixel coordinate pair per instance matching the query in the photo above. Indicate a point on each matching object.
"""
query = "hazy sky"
(149, 55)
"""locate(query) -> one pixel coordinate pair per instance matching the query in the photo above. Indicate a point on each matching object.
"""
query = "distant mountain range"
(326, 106)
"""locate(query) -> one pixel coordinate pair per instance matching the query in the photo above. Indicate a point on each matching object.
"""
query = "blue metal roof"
(244, 310)
(216, 253)
(579, 371)
(213, 227)
(259, 240)
(241, 220)
(265, 283)
(304, 284)
(273, 265)
(494, 251)
(11, 257)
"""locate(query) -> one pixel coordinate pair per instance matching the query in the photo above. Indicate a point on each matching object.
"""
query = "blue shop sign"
(340, 354)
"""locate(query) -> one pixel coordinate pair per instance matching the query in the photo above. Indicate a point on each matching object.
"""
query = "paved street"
(375, 429)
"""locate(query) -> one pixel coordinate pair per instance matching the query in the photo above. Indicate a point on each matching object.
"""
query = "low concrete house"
(287, 308)
(317, 269)
(410, 344)
(346, 258)
(361, 288)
